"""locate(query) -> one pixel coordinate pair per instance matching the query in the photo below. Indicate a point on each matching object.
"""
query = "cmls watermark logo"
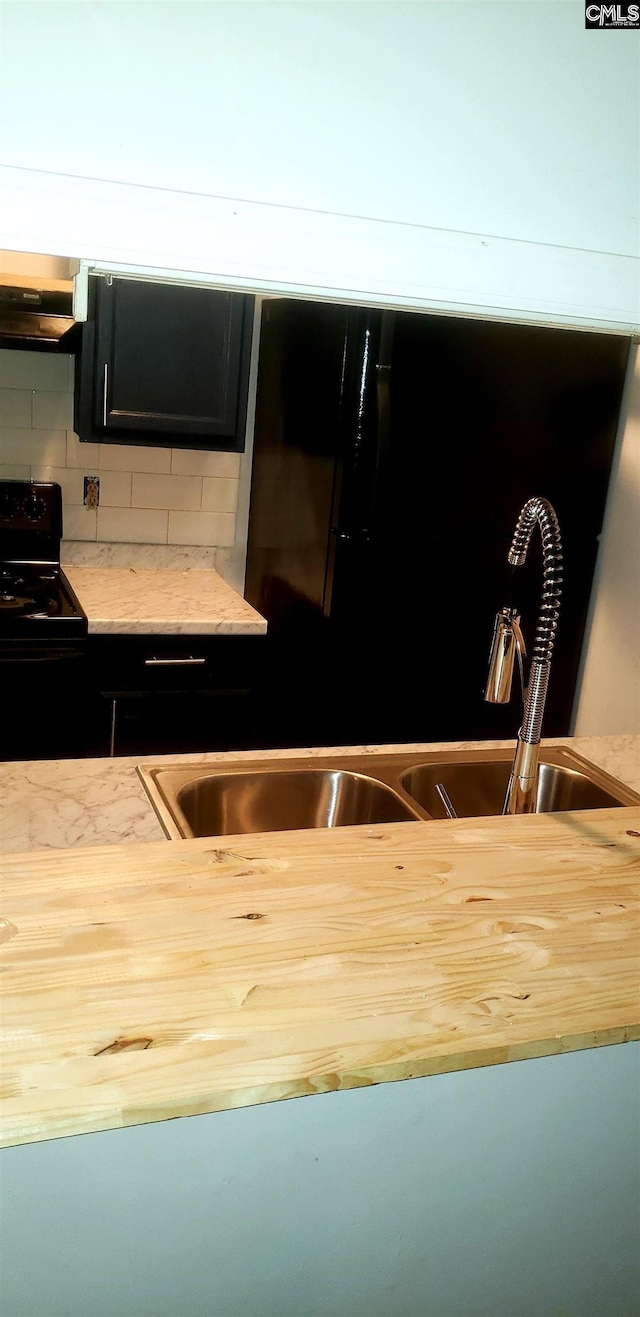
(609, 16)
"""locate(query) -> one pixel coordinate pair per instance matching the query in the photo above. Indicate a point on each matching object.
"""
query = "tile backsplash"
(147, 495)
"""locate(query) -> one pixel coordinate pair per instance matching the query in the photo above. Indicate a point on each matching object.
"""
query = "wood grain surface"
(150, 981)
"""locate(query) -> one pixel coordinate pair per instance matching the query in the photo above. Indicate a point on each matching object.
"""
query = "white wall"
(468, 116)
(608, 694)
(505, 1191)
(459, 155)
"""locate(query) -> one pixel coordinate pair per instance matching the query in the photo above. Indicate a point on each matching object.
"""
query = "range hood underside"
(36, 324)
(36, 300)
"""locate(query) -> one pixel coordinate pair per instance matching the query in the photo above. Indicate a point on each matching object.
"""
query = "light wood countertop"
(151, 981)
(150, 601)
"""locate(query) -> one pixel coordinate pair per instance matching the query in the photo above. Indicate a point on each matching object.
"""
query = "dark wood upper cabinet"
(162, 364)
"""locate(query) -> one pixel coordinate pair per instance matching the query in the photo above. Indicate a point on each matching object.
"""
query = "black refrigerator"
(393, 452)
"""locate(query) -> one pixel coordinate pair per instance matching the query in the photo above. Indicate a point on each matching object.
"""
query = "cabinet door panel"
(168, 358)
(180, 723)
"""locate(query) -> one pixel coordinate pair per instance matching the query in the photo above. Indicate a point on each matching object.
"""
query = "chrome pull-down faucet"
(507, 642)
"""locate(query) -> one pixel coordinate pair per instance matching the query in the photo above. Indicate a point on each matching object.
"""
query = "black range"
(38, 602)
(43, 659)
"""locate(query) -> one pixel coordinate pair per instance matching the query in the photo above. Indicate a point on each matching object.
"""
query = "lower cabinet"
(163, 694)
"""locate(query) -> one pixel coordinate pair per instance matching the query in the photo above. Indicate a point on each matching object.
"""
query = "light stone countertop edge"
(153, 601)
(57, 804)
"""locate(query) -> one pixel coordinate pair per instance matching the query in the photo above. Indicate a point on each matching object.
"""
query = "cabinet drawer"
(142, 664)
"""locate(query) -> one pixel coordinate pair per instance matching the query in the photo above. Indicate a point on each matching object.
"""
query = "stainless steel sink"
(212, 804)
(478, 789)
(215, 800)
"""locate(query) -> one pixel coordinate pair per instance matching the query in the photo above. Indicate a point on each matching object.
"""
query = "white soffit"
(297, 252)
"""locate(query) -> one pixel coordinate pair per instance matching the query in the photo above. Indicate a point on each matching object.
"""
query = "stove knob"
(34, 508)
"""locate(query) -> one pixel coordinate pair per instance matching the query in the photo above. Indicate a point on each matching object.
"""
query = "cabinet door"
(178, 722)
(170, 362)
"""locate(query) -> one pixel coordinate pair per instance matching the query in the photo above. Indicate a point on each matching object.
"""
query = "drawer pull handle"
(189, 661)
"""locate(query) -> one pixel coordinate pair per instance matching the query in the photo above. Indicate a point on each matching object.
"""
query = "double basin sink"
(273, 795)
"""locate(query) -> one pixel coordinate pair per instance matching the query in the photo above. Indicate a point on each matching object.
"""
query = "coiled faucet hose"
(540, 511)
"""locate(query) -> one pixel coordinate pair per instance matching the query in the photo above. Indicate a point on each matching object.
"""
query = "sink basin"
(222, 804)
(478, 789)
(330, 791)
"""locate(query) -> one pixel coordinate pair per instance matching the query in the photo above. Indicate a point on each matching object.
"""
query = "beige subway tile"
(151, 491)
(132, 525)
(52, 411)
(15, 408)
(130, 457)
(115, 488)
(70, 480)
(35, 370)
(15, 472)
(191, 462)
(213, 528)
(84, 455)
(37, 447)
(79, 523)
(219, 495)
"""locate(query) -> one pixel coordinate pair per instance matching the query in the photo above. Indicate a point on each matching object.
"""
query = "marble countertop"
(55, 804)
(134, 601)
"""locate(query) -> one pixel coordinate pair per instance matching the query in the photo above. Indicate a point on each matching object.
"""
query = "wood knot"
(252, 915)
(515, 926)
(7, 930)
(125, 1045)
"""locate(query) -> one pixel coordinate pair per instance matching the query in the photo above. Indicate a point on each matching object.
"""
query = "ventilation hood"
(36, 300)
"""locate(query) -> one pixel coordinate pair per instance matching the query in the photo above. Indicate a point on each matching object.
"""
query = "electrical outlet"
(91, 491)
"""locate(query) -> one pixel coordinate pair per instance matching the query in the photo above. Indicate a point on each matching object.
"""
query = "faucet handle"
(507, 641)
